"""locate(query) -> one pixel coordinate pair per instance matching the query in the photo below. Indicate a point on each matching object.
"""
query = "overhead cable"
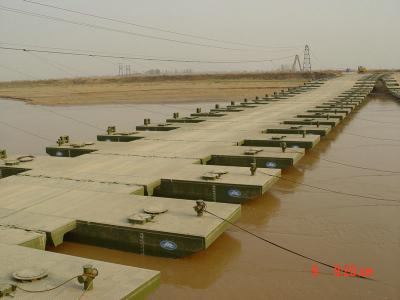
(155, 28)
(142, 58)
(132, 33)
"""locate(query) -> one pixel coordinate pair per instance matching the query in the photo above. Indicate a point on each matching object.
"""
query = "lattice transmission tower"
(307, 59)
(296, 62)
(127, 70)
(120, 69)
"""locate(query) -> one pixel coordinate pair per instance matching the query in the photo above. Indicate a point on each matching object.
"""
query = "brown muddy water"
(335, 228)
(26, 128)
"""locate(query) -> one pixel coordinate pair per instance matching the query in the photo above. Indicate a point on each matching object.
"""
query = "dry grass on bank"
(153, 89)
(397, 77)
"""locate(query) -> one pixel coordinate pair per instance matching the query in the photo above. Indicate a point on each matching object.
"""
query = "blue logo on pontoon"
(59, 153)
(295, 146)
(234, 193)
(270, 164)
(168, 245)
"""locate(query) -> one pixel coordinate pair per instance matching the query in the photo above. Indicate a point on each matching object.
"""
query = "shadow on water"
(259, 211)
(211, 262)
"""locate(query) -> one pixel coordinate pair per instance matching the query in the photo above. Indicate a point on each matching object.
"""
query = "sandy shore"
(397, 77)
(152, 89)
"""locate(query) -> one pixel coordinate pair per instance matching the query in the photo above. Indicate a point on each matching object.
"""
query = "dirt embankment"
(153, 89)
(397, 77)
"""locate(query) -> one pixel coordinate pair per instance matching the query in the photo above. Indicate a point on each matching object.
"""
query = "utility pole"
(127, 70)
(307, 59)
(120, 69)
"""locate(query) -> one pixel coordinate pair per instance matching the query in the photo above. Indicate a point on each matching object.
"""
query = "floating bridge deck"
(113, 281)
(135, 190)
(392, 84)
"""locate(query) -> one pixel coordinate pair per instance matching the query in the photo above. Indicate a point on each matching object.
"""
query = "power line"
(315, 57)
(154, 28)
(68, 49)
(61, 66)
(54, 65)
(82, 50)
(88, 25)
(142, 58)
(17, 71)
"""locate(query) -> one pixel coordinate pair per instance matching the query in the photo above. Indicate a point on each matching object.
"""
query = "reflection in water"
(335, 228)
(81, 123)
(259, 211)
(209, 264)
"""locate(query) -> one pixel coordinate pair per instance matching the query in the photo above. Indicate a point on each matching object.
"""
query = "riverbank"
(153, 89)
(397, 77)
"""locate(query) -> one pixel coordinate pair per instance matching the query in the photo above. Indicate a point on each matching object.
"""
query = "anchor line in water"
(371, 137)
(357, 167)
(151, 111)
(287, 249)
(70, 118)
(26, 131)
(333, 191)
(348, 165)
(176, 107)
(379, 122)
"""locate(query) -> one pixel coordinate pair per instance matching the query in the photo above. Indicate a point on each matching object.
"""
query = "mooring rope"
(70, 118)
(49, 289)
(370, 137)
(379, 122)
(25, 131)
(344, 164)
(287, 249)
(332, 191)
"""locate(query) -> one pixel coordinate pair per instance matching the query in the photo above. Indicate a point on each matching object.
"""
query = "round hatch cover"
(30, 274)
(155, 210)
(11, 162)
(26, 158)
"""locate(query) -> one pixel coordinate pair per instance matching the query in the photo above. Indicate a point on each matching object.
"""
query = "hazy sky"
(340, 33)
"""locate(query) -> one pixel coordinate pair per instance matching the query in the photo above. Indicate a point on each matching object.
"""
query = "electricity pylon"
(307, 59)
(296, 61)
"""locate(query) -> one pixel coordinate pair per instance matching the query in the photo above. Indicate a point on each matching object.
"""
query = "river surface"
(26, 128)
(335, 228)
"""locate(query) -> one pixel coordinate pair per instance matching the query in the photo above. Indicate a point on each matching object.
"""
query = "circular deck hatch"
(155, 210)
(30, 274)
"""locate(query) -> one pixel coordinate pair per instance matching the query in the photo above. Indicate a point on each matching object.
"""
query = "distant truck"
(362, 69)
